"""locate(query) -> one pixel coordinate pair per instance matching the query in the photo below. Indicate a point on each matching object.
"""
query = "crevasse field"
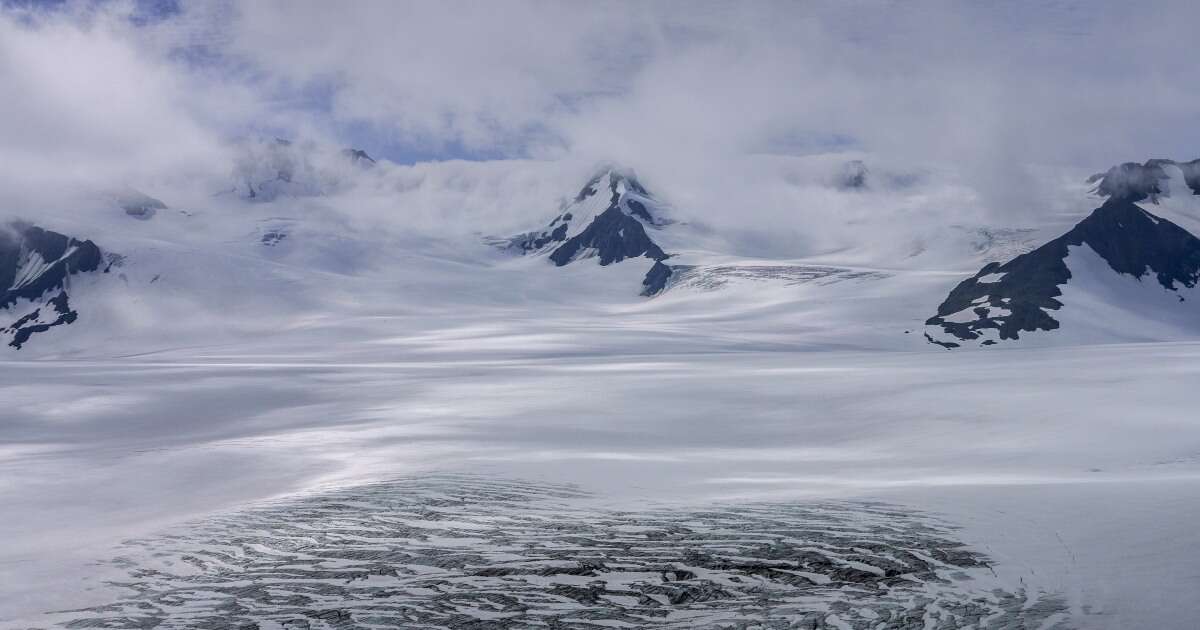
(348, 429)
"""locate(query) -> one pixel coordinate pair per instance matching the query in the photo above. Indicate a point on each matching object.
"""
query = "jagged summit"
(1136, 182)
(1119, 241)
(36, 266)
(608, 220)
(618, 197)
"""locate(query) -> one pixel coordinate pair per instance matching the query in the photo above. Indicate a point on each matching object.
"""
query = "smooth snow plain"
(1074, 468)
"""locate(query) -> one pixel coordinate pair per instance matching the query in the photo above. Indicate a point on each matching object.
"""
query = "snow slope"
(98, 451)
(377, 253)
(302, 353)
(36, 269)
(1121, 274)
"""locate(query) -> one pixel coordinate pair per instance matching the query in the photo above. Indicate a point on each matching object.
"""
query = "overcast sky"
(990, 87)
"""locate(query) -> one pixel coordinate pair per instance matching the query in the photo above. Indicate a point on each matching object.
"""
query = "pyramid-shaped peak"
(608, 221)
(613, 178)
(1004, 300)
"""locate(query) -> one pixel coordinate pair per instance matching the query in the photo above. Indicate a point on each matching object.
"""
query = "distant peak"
(613, 176)
(1022, 295)
(1135, 182)
(607, 221)
(358, 156)
(853, 175)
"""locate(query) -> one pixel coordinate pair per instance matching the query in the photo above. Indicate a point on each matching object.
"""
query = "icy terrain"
(453, 551)
(281, 412)
(1091, 508)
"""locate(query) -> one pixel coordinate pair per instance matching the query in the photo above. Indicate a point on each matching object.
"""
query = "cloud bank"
(722, 105)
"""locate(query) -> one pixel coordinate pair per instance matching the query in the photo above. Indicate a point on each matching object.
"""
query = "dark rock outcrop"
(271, 238)
(34, 263)
(60, 312)
(1135, 182)
(1022, 293)
(656, 279)
(607, 220)
(613, 236)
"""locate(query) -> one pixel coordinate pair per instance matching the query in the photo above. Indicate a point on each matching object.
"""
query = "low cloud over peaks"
(685, 92)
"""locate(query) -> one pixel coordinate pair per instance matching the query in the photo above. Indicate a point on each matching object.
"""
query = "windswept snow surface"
(1090, 454)
(470, 435)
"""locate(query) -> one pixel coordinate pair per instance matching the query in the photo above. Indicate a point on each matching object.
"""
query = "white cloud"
(684, 92)
(85, 102)
(670, 86)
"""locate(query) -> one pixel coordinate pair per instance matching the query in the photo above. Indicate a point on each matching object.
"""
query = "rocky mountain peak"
(1004, 300)
(36, 266)
(607, 220)
(1136, 182)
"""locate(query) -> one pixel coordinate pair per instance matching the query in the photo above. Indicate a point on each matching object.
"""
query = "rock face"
(612, 236)
(36, 266)
(608, 220)
(1023, 294)
(656, 279)
(1135, 182)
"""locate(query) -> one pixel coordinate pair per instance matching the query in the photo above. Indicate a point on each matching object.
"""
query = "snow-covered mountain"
(1136, 182)
(612, 219)
(36, 267)
(332, 243)
(1126, 272)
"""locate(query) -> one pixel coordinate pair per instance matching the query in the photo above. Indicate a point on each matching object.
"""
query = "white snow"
(210, 371)
(584, 211)
(1179, 205)
(1100, 305)
(116, 439)
(971, 314)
